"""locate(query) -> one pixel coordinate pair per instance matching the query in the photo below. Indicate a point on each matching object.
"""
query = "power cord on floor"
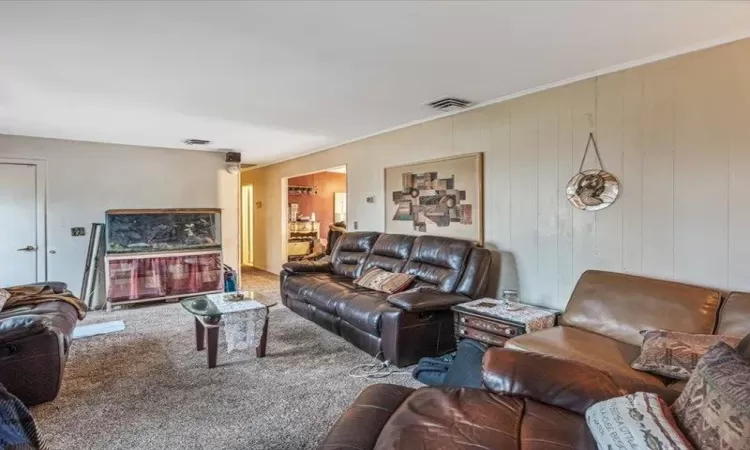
(376, 370)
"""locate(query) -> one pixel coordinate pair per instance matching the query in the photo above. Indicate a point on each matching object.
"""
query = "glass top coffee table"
(208, 311)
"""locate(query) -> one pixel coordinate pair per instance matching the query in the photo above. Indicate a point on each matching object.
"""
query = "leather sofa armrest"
(17, 327)
(295, 267)
(559, 382)
(58, 287)
(423, 299)
(360, 425)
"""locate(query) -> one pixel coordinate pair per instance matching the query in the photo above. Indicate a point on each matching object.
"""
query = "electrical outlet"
(356, 225)
(78, 231)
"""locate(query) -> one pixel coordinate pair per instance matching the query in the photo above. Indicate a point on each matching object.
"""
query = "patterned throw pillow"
(639, 420)
(384, 281)
(714, 408)
(4, 296)
(674, 354)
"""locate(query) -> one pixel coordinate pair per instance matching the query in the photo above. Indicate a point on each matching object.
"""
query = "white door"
(18, 226)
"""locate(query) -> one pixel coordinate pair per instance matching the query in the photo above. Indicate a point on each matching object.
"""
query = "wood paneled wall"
(674, 132)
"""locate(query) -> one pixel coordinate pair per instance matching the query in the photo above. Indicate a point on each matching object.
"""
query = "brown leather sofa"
(403, 327)
(34, 344)
(532, 402)
(540, 385)
(602, 322)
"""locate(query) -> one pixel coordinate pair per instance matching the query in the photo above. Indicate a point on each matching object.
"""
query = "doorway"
(23, 247)
(316, 202)
(247, 201)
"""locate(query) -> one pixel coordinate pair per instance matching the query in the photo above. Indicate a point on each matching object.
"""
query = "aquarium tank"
(163, 230)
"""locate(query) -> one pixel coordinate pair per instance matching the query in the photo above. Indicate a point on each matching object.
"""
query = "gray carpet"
(148, 388)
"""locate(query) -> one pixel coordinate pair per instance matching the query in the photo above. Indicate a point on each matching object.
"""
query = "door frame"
(285, 205)
(247, 196)
(41, 211)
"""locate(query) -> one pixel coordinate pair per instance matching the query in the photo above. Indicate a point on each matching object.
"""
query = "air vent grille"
(196, 142)
(448, 104)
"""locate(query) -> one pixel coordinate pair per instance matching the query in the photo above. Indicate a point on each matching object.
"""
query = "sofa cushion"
(324, 291)
(384, 281)
(390, 252)
(351, 252)
(297, 284)
(674, 354)
(442, 418)
(714, 408)
(734, 316)
(438, 262)
(620, 306)
(604, 353)
(363, 309)
(477, 273)
(640, 420)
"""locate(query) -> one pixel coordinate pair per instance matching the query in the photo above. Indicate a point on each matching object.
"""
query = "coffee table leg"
(200, 335)
(213, 345)
(260, 350)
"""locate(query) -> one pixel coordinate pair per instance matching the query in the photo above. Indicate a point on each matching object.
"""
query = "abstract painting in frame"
(441, 197)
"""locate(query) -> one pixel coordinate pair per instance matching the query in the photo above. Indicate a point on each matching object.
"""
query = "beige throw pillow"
(4, 296)
(636, 421)
(384, 281)
(674, 354)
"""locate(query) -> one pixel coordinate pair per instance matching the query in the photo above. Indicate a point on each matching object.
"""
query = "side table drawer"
(481, 336)
(497, 328)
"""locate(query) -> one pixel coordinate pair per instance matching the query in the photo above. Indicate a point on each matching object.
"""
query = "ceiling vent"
(196, 142)
(449, 104)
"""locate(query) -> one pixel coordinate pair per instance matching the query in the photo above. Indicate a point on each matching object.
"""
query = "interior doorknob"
(28, 248)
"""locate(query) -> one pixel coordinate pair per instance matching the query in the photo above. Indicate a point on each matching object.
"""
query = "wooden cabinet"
(486, 321)
(491, 331)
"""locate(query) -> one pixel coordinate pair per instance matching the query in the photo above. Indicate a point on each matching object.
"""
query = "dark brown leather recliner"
(532, 402)
(34, 344)
(403, 327)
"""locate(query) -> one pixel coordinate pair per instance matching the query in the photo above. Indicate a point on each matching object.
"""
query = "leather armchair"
(34, 344)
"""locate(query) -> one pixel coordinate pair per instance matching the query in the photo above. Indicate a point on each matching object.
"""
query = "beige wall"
(85, 179)
(675, 133)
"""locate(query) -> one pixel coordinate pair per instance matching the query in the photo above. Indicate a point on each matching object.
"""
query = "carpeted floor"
(148, 388)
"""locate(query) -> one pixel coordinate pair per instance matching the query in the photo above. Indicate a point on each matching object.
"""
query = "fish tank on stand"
(162, 254)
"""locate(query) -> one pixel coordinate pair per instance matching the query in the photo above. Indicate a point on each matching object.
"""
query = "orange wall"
(322, 203)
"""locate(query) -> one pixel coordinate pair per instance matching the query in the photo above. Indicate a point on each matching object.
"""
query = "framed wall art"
(441, 197)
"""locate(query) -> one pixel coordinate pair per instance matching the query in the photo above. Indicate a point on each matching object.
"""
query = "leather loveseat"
(400, 328)
(532, 402)
(34, 345)
(602, 321)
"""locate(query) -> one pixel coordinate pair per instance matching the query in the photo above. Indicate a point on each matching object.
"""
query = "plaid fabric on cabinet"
(160, 276)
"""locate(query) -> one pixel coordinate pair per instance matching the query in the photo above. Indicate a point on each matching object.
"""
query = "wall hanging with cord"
(593, 189)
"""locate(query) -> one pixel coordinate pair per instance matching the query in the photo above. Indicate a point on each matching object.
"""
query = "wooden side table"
(487, 320)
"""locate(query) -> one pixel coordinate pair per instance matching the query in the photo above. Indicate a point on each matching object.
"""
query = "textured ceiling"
(278, 79)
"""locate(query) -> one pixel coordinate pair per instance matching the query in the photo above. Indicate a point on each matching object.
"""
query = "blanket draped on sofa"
(27, 295)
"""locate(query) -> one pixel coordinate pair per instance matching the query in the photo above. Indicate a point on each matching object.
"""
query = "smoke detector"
(449, 104)
(196, 142)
